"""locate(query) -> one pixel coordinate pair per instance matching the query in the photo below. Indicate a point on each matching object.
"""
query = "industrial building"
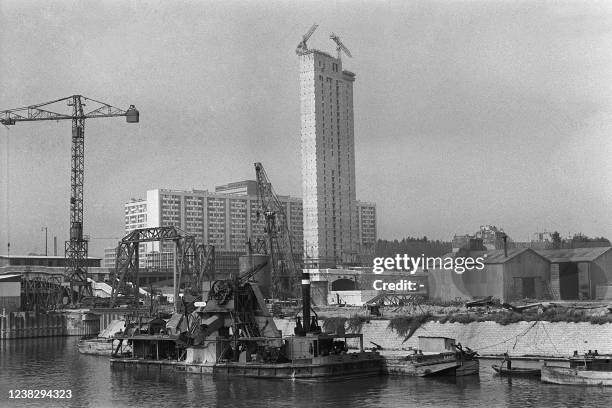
(40, 265)
(10, 293)
(580, 273)
(507, 275)
(13, 262)
(518, 273)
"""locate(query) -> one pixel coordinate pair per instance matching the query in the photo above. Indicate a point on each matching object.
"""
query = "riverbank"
(537, 338)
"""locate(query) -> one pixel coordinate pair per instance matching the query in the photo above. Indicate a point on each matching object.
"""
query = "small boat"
(590, 369)
(516, 371)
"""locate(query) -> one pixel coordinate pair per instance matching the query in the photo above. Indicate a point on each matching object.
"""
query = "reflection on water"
(54, 363)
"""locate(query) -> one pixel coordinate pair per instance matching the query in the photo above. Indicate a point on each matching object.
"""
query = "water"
(54, 363)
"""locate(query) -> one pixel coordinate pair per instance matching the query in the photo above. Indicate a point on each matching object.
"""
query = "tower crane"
(76, 249)
(278, 236)
(302, 48)
(339, 45)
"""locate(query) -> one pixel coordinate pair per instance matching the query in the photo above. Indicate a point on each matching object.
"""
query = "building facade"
(328, 160)
(226, 218)
(580, 273)
(366, 222)
(507, 275)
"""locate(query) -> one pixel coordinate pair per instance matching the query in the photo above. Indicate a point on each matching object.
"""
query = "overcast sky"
(466, 112)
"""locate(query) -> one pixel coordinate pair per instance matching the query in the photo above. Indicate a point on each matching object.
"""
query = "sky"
(467, 113)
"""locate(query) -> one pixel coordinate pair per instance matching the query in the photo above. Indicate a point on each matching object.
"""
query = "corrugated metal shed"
(574, 254)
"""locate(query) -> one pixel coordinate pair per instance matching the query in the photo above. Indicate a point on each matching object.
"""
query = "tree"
(556, 239)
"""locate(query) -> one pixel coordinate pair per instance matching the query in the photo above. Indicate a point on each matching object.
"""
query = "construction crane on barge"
(277, 236)
(76, 249)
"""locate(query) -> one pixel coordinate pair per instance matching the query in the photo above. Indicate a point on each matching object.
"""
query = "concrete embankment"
(17, 325)
(490, 338)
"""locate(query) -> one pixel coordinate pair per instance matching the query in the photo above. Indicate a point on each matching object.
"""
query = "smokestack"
(306, 301)
(54, 246)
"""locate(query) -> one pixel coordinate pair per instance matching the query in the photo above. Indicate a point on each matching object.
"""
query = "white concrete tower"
(328, 160)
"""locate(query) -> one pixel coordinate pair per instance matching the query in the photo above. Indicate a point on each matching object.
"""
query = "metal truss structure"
(76, 249)
(42, 292)
(277, 237)
(193, 263)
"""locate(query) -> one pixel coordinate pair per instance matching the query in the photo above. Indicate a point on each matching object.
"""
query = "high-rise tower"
(328, 160)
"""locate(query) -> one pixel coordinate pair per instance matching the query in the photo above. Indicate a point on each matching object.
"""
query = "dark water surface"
(54, 363)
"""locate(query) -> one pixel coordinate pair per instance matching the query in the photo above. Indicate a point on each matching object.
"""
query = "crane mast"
(278, 237)
(76, 248)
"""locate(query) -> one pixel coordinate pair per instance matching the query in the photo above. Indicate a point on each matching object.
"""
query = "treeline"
(577, 241)
(412, 246)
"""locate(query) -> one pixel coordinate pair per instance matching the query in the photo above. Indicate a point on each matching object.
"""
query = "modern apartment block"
(366, 214)
(331, 229)
(226, 218)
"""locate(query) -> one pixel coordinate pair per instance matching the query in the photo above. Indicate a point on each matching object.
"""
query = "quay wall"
(17, 325)
(490, 338)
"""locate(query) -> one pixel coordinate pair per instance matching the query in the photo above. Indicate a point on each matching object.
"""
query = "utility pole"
(45, 228)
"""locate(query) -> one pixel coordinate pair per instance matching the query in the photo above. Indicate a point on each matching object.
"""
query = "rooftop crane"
(302, 48)
(280, 249)
(339, 45)
(76, 248)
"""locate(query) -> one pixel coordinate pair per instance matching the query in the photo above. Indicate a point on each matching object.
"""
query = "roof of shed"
(10, 278)
(494, 256)
(574, 254)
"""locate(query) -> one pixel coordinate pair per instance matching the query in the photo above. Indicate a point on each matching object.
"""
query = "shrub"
(355, 323)
(334, 324)
(407, 325)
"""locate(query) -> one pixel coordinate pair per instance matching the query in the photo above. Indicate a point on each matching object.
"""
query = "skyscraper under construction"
(328, 158)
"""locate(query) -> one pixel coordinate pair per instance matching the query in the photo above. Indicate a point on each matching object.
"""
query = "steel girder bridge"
(194, 264)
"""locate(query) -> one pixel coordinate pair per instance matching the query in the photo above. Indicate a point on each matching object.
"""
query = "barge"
(234, 334)
(435, 356)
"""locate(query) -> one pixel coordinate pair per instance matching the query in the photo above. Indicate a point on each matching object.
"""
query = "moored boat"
(105, 343)
(435, 356)
(516, 371)
(589, 369)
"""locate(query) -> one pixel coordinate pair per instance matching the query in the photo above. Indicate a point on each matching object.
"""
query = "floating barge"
(157, 351)
(435, 356)
(234, 334)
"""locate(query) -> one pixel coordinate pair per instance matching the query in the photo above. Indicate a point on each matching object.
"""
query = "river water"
(55, 364)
